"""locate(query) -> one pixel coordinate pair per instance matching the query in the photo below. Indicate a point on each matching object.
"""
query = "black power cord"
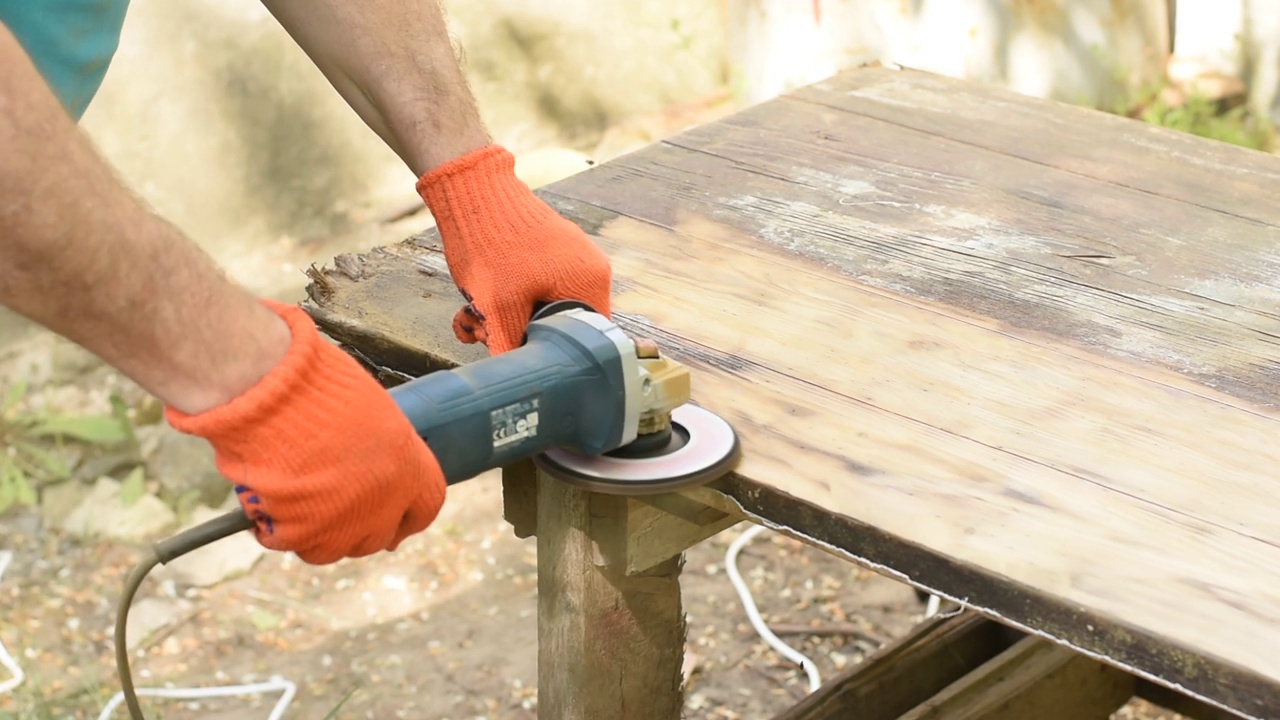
(164, 552)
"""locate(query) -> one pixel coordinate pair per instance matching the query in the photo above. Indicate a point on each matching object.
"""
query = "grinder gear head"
(676, 444)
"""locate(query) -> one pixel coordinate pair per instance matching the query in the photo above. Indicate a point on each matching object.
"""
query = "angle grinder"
(592, 407)
(588, 404)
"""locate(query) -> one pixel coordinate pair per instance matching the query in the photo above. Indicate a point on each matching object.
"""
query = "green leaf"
(50, 463)
(265, 620)
(93, 429)
(133, 487)
(120, 411)
(16, 393)
(186, 504)
(23, 492)
(8, 488)
(150, 411)
(333, 713)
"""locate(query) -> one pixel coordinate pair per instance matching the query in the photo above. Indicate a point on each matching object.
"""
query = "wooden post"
(610, 644)
(1033, 679)
(520, 498)
(906, 673)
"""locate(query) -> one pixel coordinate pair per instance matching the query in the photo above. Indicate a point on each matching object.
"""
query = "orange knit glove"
(322, 458)
(507, 249)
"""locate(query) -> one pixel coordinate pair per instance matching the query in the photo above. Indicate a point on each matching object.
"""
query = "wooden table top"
(1021, 353)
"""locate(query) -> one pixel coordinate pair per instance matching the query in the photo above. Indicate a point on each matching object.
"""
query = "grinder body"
(575, 384)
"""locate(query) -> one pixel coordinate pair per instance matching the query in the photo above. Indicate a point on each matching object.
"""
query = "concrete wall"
(216, 117)
(1239, 38)
(219, 121)
(1081, 51)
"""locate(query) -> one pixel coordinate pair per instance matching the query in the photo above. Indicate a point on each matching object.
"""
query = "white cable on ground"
(274, 684)
(935, 602)
(6, 557)
(748, 603)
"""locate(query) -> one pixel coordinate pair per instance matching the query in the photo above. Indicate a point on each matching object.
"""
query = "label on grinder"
(515, 422)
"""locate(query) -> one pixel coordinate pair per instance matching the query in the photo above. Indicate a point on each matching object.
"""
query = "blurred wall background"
(218, 119)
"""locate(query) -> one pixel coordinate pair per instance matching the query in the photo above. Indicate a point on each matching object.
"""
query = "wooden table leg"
(611, 628)
(610, 644)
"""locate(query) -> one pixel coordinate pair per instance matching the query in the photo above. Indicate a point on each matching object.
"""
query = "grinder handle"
(565, 387)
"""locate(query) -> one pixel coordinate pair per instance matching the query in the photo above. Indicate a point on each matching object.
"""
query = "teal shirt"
(71, 42)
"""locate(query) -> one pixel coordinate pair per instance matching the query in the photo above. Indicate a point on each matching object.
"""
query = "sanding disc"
(702, 448)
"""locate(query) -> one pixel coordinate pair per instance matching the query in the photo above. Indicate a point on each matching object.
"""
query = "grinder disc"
(702, 447)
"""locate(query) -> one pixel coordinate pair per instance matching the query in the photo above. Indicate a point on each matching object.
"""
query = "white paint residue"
(1163, 142)
(966, 221)
(836, 183)
(1262, 296)
(880, 93)
(884, 203)
(1166, 302)
(431, 263)
(6, 660)
(795, 239)
(1141, 345)
(779, 232)
(1005, 243)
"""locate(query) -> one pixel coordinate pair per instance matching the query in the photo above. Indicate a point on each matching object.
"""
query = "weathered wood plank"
(1053, 253)
(1155, 160)
(994, 422)
(520, 498)
(610, 644)
(399, 320)
(908, 672)
(1032, 679)
(1185, 705)
(1021, 504)
(941, 396)
(899, 409)
(657, 529)
(648, 531)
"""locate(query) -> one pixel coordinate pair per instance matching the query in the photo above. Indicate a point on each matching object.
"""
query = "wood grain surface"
(610, 642)
(1022, 354)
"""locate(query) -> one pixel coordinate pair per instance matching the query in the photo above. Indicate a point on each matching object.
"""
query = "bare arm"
(393, 62)
(82, 256)
(507, 249)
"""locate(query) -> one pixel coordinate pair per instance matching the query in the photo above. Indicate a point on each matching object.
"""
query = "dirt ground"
(443, 628)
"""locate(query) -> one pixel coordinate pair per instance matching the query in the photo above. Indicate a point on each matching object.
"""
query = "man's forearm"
(393, 62)
(83, 257)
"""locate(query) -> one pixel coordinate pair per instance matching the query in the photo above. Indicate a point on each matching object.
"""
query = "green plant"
(31, 444)
(333, 712)
(1161, 102)
(82, 699)
(1203, 116)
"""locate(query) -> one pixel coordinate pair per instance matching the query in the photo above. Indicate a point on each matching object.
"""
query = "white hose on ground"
(6, 557)
(276, 683)
(748, 603)
(935, 602)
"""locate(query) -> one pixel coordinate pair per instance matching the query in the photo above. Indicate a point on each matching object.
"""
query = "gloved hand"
(507, 249)
(322, 458)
